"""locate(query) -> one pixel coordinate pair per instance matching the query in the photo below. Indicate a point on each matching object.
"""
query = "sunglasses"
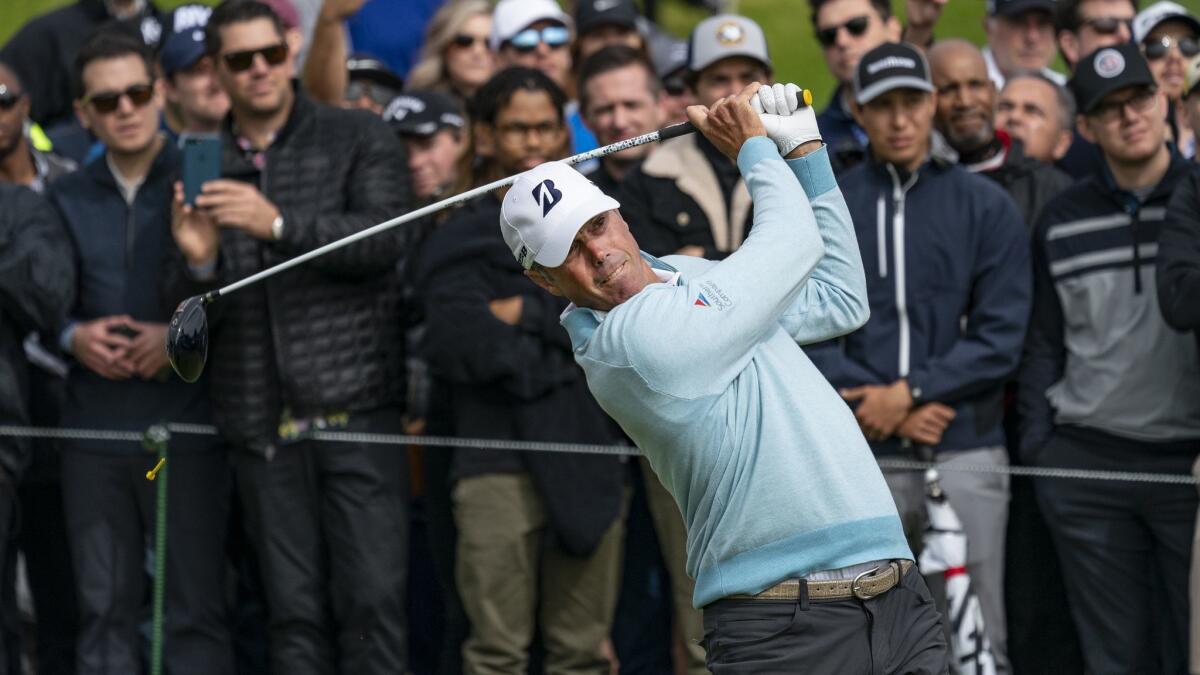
(108, 101)
(464, 41)
(377, 92)
(528, 39)
(8, 99)
(1107, 25)
(242, 61)
(1157, 49)
(855, 27)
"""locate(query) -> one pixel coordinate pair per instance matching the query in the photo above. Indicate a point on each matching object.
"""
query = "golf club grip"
(676, 130)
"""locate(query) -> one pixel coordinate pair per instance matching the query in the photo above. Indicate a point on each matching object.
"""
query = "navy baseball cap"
(184, 44)
(1015, 8)
(591, 14)
(1106, 70)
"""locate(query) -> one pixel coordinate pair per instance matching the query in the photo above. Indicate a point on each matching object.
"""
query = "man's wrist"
(806, 148)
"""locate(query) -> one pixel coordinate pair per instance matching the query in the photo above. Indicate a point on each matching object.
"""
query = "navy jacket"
(949, 305)
(846, 140)
(120, 257)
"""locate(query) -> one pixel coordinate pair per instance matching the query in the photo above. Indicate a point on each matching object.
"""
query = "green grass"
(796, 53)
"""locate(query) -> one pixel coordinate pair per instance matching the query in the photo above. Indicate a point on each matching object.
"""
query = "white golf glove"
(788, 121)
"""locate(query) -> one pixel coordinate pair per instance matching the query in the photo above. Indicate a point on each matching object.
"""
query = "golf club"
(187, 334)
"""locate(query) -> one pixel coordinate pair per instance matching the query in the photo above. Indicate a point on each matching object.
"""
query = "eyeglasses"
(464, 41)
(1140, 102)
(378, 93)
(1157, 49)
(242, 61)
(108, 101)
(855, 27)
(516, 131)
(528, 39)
(1107, 25)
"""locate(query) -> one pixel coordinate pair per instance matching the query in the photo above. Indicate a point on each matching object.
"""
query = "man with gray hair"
(1038, 112)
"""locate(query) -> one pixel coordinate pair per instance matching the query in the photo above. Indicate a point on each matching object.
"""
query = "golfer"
(799, 557)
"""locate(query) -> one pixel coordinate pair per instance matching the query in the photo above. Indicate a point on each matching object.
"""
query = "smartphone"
(126, 330)
(201, 163)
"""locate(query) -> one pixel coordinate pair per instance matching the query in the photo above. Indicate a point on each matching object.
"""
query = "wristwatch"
(277, 228)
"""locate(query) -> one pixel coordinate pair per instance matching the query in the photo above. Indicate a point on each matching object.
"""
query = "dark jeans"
(329, 525)
(110, 511)
(897, 632)
(1125, 549)
(43, 540)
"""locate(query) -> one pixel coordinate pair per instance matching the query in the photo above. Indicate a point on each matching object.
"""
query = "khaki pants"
(512, 578)
(672, 541)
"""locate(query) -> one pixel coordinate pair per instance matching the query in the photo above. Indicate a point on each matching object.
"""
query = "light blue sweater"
(706, 375)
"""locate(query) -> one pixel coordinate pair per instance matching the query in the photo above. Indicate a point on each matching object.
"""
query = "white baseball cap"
(1149, 18)
(513, 16)
(544, 210)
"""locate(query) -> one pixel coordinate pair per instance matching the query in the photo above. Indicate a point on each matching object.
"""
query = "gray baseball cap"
(725, 35)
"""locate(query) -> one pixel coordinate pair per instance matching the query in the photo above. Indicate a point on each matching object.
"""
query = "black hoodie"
(514, 382)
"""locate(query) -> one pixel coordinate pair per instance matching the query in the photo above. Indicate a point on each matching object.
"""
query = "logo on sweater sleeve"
(711, 296)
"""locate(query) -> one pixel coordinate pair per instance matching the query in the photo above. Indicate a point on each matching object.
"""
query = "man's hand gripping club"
(782, 112)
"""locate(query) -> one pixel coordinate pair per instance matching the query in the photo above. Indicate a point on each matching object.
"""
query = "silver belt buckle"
(856, 587)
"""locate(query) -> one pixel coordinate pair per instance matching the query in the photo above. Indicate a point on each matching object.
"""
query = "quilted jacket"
(325, 337)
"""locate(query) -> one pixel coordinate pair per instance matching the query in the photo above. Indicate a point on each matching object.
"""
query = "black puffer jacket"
(327, 336)
(37, 283)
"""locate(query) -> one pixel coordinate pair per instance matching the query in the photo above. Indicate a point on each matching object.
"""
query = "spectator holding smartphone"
(117, 212)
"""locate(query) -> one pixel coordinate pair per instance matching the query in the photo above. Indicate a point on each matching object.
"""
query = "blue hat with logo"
(184, 43)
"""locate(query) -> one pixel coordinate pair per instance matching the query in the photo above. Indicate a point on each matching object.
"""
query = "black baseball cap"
(371, 69)
(423, 113)
(892, 65)
(1015, 8)
(1106, 70)
(591, 14)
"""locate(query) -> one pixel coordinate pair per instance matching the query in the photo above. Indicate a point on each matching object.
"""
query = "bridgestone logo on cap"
(891, 62)
(1109, 63)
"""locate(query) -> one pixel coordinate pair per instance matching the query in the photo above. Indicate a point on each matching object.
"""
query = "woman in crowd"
(1167, 34)
(456, 58)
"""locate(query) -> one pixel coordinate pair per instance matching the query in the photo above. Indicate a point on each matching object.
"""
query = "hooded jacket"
(1099, 354)
(947, 263)
(515, 382)
(37, 284)
(1030, 182)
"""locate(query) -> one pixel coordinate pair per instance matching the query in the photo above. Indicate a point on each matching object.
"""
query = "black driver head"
(187, 338)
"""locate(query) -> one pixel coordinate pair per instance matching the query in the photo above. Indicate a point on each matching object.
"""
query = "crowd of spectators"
(1031, 245)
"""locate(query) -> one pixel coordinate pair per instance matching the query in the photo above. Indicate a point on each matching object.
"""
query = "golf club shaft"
(659, 135)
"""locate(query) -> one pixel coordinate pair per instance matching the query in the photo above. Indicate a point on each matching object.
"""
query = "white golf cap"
(513, 16)
(544, 210)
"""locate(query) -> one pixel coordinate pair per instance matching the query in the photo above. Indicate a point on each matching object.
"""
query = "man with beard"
(966, 105)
